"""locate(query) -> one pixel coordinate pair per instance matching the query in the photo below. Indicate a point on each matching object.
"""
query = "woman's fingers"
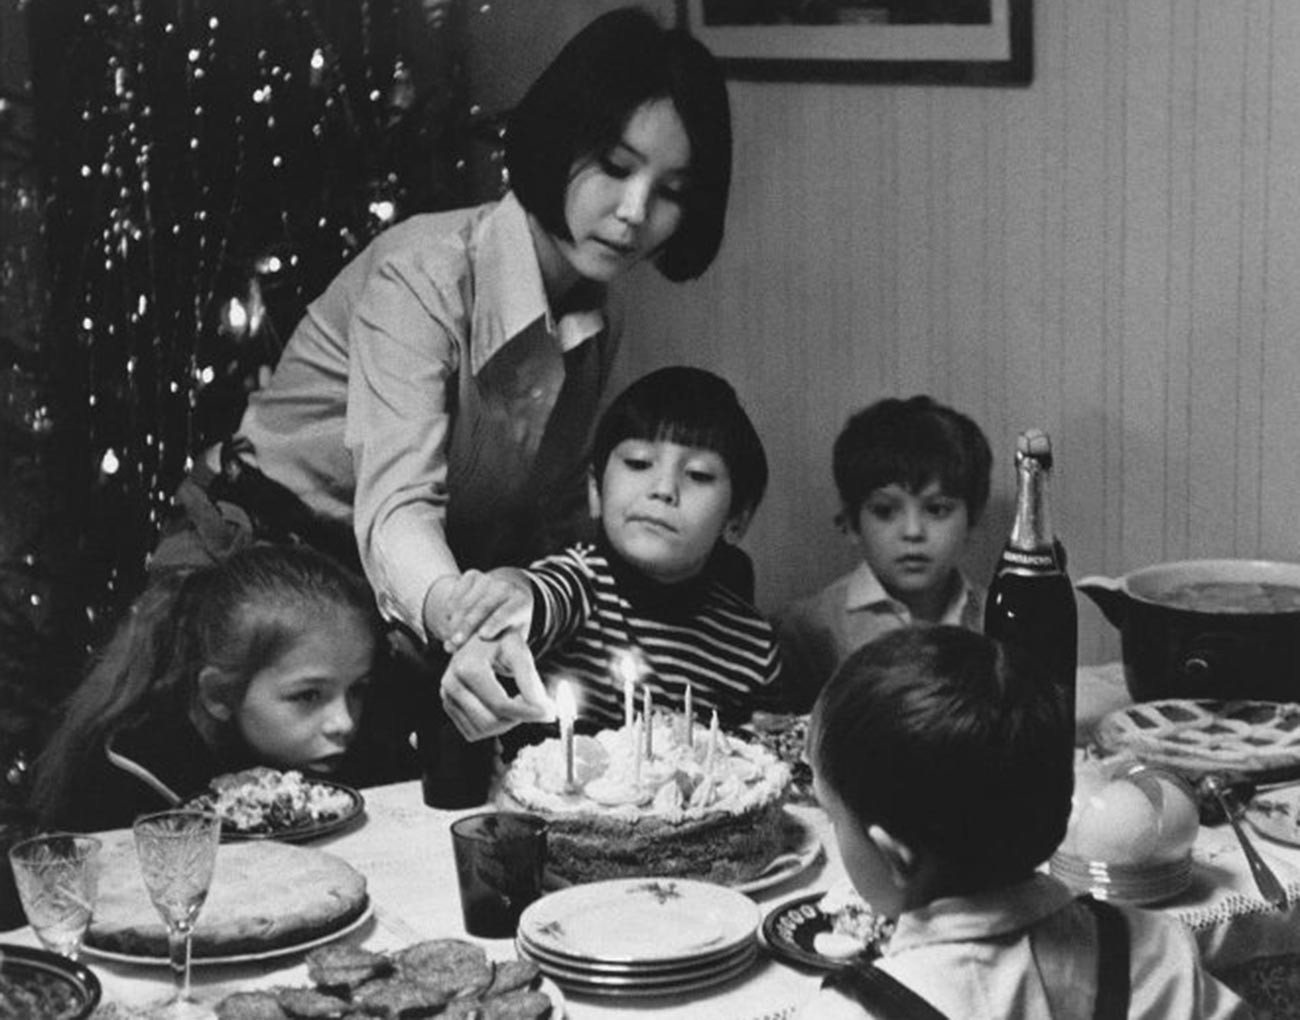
(479, 604)
(475, 699)
(470, 717)
(533, 703)
(514, 611)
(462, 609)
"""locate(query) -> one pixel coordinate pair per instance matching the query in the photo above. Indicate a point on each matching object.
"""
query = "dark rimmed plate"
(301, 833)
(791, 929)
(74, 990)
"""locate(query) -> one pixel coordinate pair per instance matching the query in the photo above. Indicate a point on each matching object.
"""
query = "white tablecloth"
(404, 850)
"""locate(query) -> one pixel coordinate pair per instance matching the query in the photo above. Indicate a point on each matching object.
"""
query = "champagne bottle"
(1030, 599)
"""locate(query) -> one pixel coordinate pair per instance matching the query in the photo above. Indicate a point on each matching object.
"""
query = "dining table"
(403, 848)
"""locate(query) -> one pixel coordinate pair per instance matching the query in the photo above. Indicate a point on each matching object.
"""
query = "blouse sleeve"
(406, 349)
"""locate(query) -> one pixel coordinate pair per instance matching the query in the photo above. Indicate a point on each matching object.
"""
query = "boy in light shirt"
(913, 481)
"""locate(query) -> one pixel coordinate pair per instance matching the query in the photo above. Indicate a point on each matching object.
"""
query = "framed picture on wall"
(958, 42)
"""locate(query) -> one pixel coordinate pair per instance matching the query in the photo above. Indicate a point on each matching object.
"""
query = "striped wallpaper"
(1111, 254)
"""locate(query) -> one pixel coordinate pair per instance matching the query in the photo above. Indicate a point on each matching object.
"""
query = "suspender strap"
(1112, 961)
(887, 997)
(881, 993)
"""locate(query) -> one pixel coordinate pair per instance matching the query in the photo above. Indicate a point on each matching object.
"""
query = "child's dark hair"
(912, 443)
(577, 110)
(239, 615)
(953, 743)
(691, 407)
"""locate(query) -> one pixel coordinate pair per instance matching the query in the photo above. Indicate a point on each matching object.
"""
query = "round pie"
(1196, 737)
(264, 896)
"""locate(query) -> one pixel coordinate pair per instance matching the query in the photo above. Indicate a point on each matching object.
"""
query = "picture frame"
(986, 42)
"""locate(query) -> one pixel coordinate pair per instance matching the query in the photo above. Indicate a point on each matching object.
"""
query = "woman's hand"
(476, 700)
(478, 604)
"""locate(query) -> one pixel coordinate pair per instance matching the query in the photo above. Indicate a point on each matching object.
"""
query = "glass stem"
(178, 951)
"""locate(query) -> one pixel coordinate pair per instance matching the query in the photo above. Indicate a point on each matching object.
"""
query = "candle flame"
(627, 666)
(566, 706)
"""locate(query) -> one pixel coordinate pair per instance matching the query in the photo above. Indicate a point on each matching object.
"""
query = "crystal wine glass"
(178, 851)
(57, 876)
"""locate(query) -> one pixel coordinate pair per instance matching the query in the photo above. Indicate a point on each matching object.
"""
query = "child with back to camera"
(262, 659)
(935, 754)
(913, 480)
(676, 469)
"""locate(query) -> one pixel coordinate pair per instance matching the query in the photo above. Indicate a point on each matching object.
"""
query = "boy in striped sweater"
(677, 469)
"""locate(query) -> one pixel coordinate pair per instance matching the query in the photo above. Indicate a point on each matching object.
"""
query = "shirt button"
(537, 393)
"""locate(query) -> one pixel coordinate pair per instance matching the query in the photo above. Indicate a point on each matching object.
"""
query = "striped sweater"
(589, 608)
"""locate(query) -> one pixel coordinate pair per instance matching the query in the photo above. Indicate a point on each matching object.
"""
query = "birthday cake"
(681, 809)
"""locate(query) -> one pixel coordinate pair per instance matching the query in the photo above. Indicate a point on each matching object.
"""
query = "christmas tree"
(186, 177)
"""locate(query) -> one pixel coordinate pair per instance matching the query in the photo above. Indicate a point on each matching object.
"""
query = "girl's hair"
(240, 616)
(691, 407)
(579, 107)
(952, 743)
(912, 443)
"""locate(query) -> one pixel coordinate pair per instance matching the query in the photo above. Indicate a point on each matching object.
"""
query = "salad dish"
(264, 803)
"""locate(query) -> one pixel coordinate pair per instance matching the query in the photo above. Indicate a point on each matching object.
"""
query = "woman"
(429, 415)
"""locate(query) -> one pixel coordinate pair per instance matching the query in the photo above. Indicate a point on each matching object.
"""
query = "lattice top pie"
(1198, 737)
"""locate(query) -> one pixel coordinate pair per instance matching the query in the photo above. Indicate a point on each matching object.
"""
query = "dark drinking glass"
(500, 857)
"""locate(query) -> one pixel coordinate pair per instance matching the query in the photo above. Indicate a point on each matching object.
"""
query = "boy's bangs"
(695, 435)
(916, 468)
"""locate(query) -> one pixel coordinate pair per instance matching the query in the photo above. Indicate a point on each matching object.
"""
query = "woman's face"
(624, 204)
(303, 710)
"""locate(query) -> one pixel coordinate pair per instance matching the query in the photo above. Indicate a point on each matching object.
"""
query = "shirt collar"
(510, 296)
(982, 916)
(866, 592)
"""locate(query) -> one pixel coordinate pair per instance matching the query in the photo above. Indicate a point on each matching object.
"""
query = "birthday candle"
(636, 760)
(688, 715)
(566, 709)
(629, 697)
(646, 709)
(713, 744)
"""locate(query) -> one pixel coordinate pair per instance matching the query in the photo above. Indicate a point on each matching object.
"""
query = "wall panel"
(1110, 254)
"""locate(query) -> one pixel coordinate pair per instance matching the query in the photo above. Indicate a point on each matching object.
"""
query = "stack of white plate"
(1129, 883)
(640, 936)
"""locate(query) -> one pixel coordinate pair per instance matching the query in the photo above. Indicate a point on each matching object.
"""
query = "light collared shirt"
(372, 419)
(1030, 950)
(819, 632)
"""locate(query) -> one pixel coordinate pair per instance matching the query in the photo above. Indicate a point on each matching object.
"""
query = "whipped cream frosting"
(675, 783)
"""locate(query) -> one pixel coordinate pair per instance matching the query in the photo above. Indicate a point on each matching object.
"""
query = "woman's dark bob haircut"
(580, 106)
